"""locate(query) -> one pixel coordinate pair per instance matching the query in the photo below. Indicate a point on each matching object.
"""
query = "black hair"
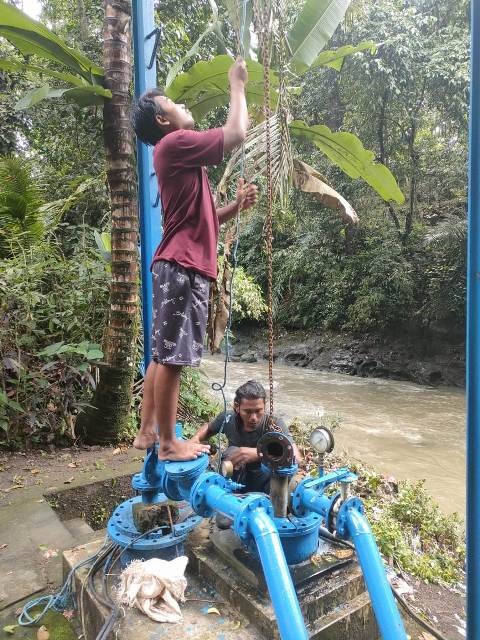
(251, 390)
(143, 117)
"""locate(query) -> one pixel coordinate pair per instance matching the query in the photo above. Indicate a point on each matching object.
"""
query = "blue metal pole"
(277, 576)
(149, 207)
(473, 341)
(383, 603)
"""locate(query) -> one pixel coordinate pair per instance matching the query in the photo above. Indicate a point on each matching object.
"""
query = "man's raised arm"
(235, 129)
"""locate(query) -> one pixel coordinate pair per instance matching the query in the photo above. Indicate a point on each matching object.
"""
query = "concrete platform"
(335, 605)
(198, 624)
(34, 538)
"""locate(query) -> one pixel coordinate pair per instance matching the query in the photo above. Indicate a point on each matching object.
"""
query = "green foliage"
(205, 86)
(336, 59)
(195, 406)
(313, 28)
(326, 278)
(21, 220)
(413, 533)
(247, 298)
(53, 313)
(32, 38)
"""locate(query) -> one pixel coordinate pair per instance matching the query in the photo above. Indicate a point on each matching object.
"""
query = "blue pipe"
(277, 576)
(383, 603)
(473, 340)
(226, 503)
(149, 210)
(318, 502)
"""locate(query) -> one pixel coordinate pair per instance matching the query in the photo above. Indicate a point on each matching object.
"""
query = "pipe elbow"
(261, 524)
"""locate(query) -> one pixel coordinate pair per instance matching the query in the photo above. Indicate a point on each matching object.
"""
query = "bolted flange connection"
(248, 504)
(276, 450)
(351, 504)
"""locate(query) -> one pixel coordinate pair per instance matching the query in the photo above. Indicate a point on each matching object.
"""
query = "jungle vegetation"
(404, 93)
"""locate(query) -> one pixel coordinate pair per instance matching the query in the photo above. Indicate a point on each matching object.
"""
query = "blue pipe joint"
(306, 500)
(284, 472)
(351, 504)
(165, 543)
(180, 477)
(250, 503)
(198, 494)
(149, 482)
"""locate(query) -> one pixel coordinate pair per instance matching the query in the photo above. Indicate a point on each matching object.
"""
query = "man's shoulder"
(223, 421)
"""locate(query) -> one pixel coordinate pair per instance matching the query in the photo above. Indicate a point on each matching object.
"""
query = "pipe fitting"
(276, 450)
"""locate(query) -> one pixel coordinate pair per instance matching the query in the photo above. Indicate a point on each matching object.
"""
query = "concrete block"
(79, 529)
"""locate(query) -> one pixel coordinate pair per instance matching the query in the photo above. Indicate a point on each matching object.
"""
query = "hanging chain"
(264, 28)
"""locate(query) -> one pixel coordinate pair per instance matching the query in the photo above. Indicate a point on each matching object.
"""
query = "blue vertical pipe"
(473, 340)
(149, 207)
(277, 576)
(384, 606)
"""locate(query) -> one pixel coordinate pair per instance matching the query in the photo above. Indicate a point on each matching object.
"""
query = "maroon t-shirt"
(190, 223)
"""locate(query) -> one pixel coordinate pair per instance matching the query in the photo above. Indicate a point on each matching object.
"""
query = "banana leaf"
(336, 58)
(313, 28)
(307, 179)
(32, 38)
(206, 85)
(347, 152)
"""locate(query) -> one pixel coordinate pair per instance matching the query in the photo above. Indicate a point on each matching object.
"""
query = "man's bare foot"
(179, 450)
(145, 440)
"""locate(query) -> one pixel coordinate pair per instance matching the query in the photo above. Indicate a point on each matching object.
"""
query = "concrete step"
(31, 561)
(353, 619)
(80, 530)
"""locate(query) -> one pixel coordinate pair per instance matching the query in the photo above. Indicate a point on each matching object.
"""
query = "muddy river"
(402, 429)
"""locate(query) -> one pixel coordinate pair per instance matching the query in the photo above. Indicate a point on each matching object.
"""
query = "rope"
(265, 48)
(217, 386)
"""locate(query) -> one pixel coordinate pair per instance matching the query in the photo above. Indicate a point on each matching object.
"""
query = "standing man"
(185, 262)
(243, 428)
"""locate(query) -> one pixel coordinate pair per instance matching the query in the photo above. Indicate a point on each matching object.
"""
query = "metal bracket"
(157, 33)
(339, 475)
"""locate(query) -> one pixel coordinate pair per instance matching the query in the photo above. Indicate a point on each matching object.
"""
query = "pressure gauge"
(322, 440)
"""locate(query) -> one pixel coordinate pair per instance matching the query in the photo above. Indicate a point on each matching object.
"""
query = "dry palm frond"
(451, 230)
(255, 148)
(309, 180)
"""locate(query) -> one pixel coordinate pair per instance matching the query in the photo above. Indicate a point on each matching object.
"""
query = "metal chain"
(265, 47)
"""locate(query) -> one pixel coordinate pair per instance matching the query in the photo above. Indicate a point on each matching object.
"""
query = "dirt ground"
(38, 473)
(42, 471)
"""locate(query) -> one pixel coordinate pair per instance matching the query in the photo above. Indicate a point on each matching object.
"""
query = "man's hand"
(247, 195)
(238, 74)
(243, 456)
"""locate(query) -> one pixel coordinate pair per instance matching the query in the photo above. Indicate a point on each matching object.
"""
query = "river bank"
(427, 361)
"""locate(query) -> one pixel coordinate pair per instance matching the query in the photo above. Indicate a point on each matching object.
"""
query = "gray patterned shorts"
(180, 310)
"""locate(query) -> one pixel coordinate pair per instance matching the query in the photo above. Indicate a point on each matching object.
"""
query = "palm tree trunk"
(110, 409)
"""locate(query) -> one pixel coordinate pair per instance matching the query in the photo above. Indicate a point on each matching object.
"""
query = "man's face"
(175, 116)
(251, 412)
